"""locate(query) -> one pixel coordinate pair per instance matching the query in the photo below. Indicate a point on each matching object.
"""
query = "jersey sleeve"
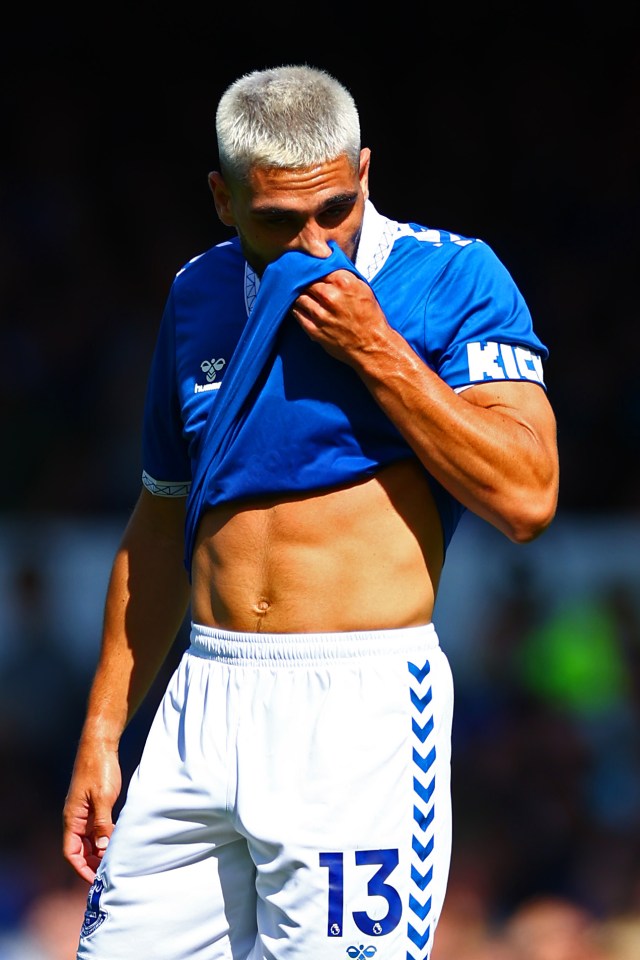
(165, 458)
(477, 324)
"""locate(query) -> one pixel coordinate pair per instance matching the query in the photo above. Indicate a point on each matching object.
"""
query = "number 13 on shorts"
(387, 911)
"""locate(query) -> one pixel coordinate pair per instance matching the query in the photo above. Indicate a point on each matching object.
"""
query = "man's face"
(280, 210)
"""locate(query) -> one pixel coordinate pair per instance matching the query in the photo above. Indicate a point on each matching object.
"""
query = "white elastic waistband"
(231, 645)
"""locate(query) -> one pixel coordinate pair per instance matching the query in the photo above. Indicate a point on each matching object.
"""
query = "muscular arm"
(146, 602)
(493, 446)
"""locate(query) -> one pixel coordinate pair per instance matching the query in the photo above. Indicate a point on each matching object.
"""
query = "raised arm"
(493, 446)
(147, 598)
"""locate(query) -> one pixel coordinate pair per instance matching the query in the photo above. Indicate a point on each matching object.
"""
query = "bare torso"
(363, 557)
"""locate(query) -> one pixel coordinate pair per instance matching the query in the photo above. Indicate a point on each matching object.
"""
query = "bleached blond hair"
(293, 116)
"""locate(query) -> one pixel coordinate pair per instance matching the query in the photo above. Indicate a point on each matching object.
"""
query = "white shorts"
(292, 801)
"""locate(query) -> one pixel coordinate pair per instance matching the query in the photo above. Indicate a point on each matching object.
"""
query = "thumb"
(101, 834)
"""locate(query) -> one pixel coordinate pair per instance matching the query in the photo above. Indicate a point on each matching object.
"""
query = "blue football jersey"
(305, 421)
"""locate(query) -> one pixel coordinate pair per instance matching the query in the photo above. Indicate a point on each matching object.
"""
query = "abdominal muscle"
(362, 557)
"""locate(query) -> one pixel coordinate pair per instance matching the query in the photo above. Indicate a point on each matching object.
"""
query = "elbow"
(530, 499)
(535, 502)
(529, 530)
(533, 516)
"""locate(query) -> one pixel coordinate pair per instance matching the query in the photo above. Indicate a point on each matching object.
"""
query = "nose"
(313, 240)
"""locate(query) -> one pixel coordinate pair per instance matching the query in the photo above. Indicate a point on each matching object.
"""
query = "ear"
(363, 172)
(221, 198)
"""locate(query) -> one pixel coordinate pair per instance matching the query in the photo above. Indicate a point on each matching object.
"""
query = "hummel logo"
(210, 368)
(361, 952)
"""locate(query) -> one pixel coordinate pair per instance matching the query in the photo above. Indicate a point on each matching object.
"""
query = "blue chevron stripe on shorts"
(424, 755)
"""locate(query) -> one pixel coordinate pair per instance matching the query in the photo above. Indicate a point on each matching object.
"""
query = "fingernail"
(102, 842)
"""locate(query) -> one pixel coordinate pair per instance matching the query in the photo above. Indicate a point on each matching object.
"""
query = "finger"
(77, 852)
(100, 844)
(101, 833)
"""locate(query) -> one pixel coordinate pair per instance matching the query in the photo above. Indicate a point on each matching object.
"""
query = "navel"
(261, 607)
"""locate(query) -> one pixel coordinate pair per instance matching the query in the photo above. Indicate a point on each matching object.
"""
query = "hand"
(341, 313)
(95, 786)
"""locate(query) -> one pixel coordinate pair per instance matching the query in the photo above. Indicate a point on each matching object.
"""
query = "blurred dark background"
(519, 126)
